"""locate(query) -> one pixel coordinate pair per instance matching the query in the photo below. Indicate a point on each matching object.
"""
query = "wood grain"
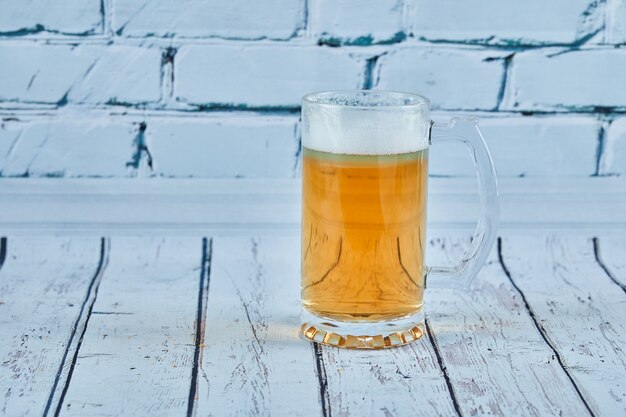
(393, 382)
(580, 311)
(496, 359)
(191, 326)
(136, 357)
(610, 253)
(44, 293)
(254, 361)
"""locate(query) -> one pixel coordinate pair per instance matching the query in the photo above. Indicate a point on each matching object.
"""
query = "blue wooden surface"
(192, 326)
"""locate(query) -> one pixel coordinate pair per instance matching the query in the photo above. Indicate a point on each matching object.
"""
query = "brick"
(356, 22)
(9, 134)
(41, 73)
(613, 159)
(233, 19)
(616, 21)
(89, 73)
(575, 80)
(92, 148)
(121, 74)
(70, 17)
(450, 78)
(236, 146)
(507, 22)
(259, 76)
(549, 146)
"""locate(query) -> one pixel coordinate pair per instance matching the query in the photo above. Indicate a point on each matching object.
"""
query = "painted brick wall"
(197, 88)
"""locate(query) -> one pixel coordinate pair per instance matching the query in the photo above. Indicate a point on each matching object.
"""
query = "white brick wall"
(508, 22)
(91, 148)
(224, 147)
(451, 78)
(616, 21)
(527, 147)
(84, 74)
(568, 80)
(231, 19)
(71, 17)
(9, 134)
(212, 88)
(360, 22)
(258, 76)
(613, 160)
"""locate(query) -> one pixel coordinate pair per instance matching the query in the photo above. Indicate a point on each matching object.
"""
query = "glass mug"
(364, 189)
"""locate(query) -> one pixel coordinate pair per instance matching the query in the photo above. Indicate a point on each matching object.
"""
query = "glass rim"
(417, 101)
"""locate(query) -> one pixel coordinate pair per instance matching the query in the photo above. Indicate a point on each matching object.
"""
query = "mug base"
(362, 335)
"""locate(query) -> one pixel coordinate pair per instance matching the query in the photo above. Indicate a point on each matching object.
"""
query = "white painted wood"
(580, 310)
(496, 359)
(254, 361)
(44, 283)
(137, 354)
(611, 252)
(405, 381)
(160, 206)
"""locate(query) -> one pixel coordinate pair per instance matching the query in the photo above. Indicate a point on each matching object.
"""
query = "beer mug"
(364, 193)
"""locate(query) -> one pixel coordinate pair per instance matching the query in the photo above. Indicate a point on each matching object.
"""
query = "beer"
(364, 180)
(363, 231)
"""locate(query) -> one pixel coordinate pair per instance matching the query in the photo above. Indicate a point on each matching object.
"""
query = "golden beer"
(363, 231)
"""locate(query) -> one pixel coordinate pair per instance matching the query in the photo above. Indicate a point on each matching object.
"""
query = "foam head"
(365, 122)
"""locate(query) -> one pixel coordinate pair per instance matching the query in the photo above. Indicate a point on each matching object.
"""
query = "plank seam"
(540, 328)
(80, 326)
(203, 296)
(3, 250)
(322, 378)
(443, 368)
(596, 252)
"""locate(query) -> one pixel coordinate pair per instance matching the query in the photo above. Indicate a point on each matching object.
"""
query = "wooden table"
(208, 326)
(109, 327)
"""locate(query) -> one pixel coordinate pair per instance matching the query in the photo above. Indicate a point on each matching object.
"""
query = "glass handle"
(466, 130)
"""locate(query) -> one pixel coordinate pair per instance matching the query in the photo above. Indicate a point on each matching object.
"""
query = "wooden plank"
(580, 311)
(137, 355)
(402, 381)
(496, 359)
(255, 362)
(46, 287)
(610, 253)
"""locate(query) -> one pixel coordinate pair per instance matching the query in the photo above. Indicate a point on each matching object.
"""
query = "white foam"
(364, 129)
